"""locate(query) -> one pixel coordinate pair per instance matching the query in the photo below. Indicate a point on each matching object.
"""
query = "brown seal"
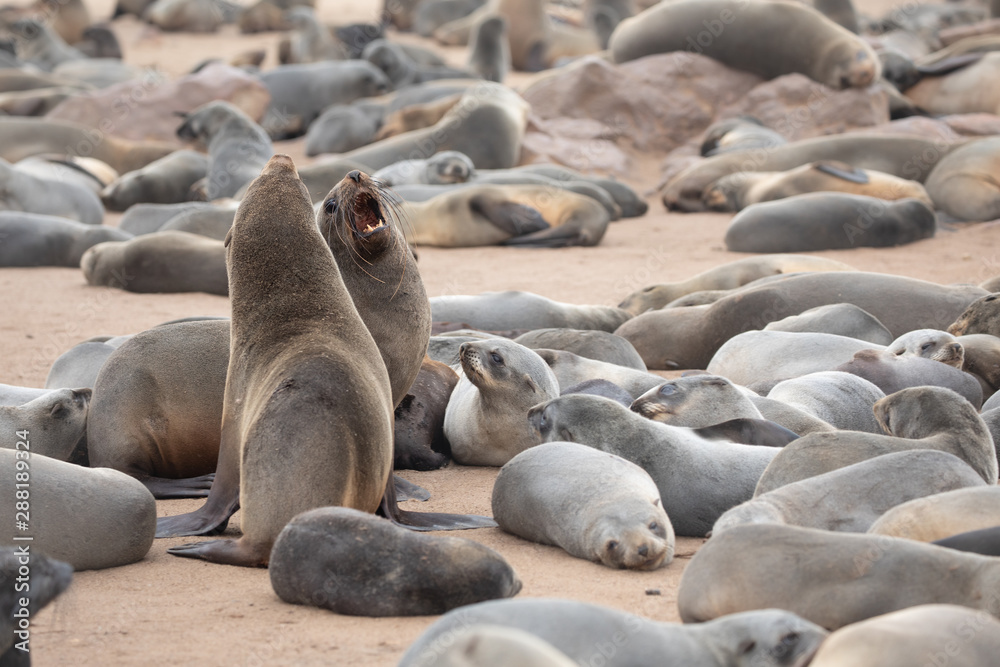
(981, 317)
(297, 344)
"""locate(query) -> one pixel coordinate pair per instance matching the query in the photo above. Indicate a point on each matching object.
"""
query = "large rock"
(146, 108)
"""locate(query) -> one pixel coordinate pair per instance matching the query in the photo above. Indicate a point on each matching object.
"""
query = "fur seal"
(341, 128)
(571, 369)
(56, 420)
(981, 359)
(432, 14)
(311, 41)
(738, 134)
(982, 316)
(441, 168)
(489, 53)
(164, 181)
(628, 200)
(418, 430)
(832, 579)
(726, 277)
(695, 401)
(486, 419)
(829, 221)
(200, 16)
(930, 344)
(487, 645)
(32, 239)
(985, 541)
(587, 632)
(736, 192)
(39, 45)
(237, 147)
(519, 215)
(826, 52)
(891, 373)
(942, 515)
(842, 400)
(852, 498)
(353, 563)
(689, 337)
(698, 478)
(960, 183)
(80, 365)
(598, 507)
(326, 348)
(761, 359)
(841, 319)
(787, 416)
(597, 345)
(113, 519)
(164, 262)
(49, 578)
(923, 635)
(23, 191)
(500, 311)
(915, 418)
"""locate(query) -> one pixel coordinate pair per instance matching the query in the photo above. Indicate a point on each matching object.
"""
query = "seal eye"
(926, 346)
(654, 526)
(611, 545)
(749, 646)
(497, 359)
(667, 389)
(331, 206)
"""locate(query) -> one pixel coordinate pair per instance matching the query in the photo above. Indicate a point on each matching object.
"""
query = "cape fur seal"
(842, 319)
(942, 515)
(840, 399)
(164, 181)
(442, 168)
(56, 420)
(698, 479)
(486, 419)
(49, 578)
(829, 221)
(489, 52)
(698, 400)
(726, 277)
(916, 418)
(597, 345)
(500, 311)
(23, 191)
(571, 369)
(592, 504)
(586, 633)
(982, 316)
(930, 344)
(32, 239)
(321, 347)
(353, 563)
(892, 373)
(852, 498)
(825, 51)
(960, 184)
(832, 579)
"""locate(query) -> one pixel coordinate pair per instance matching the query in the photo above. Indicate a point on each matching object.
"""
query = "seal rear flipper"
(746, 431)
(407, 490)
(842, 171)
(190, 487)
(509, 216)
(949, 65)
(225, 552)
(422, 521)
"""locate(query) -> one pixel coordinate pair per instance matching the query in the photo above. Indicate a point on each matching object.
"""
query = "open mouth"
(368, 217)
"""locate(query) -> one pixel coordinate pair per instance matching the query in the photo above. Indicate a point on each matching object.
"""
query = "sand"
(179, 611)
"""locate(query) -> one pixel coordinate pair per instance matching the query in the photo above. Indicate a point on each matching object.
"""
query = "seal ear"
(229, 237)
(531, 383)
(58, 411)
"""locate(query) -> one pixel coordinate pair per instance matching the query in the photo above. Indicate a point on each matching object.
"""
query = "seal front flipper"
(225, 552)
(842, 171)
(513, 218)
(746, 431)
(389, 508)
(407, 490)
(949, 65)
(190, 487)
(556, 237)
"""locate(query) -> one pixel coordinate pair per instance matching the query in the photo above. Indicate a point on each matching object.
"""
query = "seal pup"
(736, 192)
(57, 421)
(840, 399)
(698, 478)
(852, 498)
(930, 344)
(960, 184)
(113, 518)
(915, 418)
(892, 373)
(571, 369)
(827, 53)
(237, 146)
(486, 419)
(487, 645)
(925, 634)
(726, 277)
(598, 507)
(981, 359)
(341, 128)
(23, 191)
(829, 221)
(502, 311)
(489, 52)
(320, 348)
(353, 563)
(942, 515)
(769, 638)
(80, 365)
(982, 316)
(32, 239)
(164, 181)
(442, 168)
(698, 400)
(841, 319)
(738, 134)
(418, 430)
(597, 345)
(832, 579)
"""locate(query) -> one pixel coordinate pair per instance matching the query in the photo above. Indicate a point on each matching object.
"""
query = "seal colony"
(832, 422)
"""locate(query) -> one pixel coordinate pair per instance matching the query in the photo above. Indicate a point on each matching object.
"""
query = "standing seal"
(916, 418)
(586, 633)
(751, 37)
(592, 504)
(832, 579)
(486, 419)
(489, 52)
(354, 563)
(297, 344)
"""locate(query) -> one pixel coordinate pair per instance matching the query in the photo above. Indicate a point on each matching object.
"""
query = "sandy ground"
(178, 611)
